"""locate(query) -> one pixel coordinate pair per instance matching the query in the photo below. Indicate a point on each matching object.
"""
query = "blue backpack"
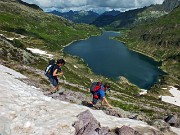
(49, 69)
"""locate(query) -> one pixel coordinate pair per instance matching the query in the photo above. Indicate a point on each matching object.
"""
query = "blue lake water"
(112, 59)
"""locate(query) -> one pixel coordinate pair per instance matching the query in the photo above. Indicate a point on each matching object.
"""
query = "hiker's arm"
(104, 99)
(61, 73)
(55, 73)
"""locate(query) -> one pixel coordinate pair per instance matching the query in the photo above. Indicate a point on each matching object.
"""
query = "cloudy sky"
(95, 5)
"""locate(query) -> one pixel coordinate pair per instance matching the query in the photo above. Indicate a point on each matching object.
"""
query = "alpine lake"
(112, 59)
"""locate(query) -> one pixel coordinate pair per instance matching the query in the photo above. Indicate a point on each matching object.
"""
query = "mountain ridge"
(77, 16)
(135, 17)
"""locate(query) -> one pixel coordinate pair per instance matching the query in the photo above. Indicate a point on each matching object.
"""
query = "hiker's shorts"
(54, 81)
(94, 100)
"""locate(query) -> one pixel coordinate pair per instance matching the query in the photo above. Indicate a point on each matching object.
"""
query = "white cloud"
(96, 5)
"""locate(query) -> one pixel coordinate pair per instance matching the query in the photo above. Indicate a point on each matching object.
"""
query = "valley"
(24, 26)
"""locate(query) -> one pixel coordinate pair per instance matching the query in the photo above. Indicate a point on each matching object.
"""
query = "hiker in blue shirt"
(100, 95)
(56, 72)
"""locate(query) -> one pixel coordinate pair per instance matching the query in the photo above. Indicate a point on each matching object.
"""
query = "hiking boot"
(53, 92)
(90, 105)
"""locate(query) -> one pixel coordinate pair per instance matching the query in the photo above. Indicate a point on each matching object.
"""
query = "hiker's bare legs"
(107, 103)
(90, 102)
(54, 89)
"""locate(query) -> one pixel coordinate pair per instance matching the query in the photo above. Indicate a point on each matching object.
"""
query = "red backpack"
(95, 86)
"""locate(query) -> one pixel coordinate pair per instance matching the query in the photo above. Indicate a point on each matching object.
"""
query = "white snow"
(26, 111)
(143, 92)
(175, 130)
(12, 38)
(75, 66)
(41, 52)
(174, 99)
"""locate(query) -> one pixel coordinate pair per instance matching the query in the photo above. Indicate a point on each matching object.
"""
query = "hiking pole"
(64, 78)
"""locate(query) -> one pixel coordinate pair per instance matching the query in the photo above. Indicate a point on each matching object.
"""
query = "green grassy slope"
(55, 31)
(160, 40)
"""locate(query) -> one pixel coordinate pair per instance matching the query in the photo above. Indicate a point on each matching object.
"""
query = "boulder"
(125, 130)
(161, 124)
(172, 120)
(88, 125)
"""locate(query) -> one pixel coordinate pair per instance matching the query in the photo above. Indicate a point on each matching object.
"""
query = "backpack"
(95, 86)
(48, 70)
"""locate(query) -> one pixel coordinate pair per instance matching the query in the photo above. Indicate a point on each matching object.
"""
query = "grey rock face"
(10, 51)
(169, 5)
(172, 120)
(162, 125)
(88, 125)
(125, 130)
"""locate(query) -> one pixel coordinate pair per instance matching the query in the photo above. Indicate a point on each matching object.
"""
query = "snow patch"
(11, 38)
(175, 130)
(143, 92)
(75, 66)
(11, 72)
(25, 110)
(174, 99)
(41, 52)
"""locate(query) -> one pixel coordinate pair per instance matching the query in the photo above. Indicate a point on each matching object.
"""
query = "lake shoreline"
(77, 40)
(122, 74)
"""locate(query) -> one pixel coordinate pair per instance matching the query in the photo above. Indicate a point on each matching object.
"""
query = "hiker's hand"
(61, 73)
(111, 106)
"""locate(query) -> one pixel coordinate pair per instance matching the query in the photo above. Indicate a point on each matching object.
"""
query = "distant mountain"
(169, 5)
(137, 16)
(106, 18)
(127, 19)
(112, 13)
(78, 16)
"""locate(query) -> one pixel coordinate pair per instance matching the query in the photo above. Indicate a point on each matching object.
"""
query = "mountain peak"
(169, 5)
(27, 4)
(81, 16)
